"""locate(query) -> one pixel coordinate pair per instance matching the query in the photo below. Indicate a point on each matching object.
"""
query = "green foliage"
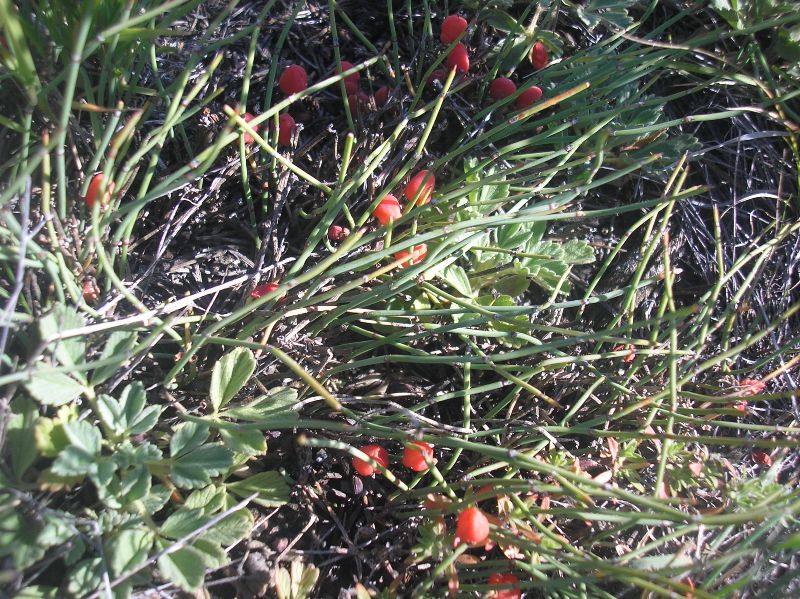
(115, 451)
(296, 582)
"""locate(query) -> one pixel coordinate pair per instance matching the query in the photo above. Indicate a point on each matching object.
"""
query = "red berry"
(426, 181)
(539, 56)
(504, 579)
(90, 291)
(94, 190)
(293, 79)
(286, 127)
(248, 139)
(751, 386)
(414, 458)
(761, 457)
(357, 101)
(459, 58)
(528, 97)
(452, 27)
(381, 96)
(502, 87)
(263, 290)
(473, 526)
(337, 233)
(388, 210)
(438, 75)
(377, 453)
(351, 81)
(415, 256)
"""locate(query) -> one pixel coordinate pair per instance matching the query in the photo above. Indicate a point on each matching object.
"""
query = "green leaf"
(37, 592)
(84, 436)
(504, 22)
(308, 579)
(211, 553)
(183, 567)
(513, 235)
(247, 441)
(209, 499)
(455, 276)
(577, 251)
(283, 583)
(230, 374)
(187, 436)
(85, 577)
(52, 388)
(119, 344)
(128, 548)
(182, 522)
(21, 431)
(70, 351)
(128, 415)
(195, 469)
(514, 284)
(74, 461)
(277, 403)
(232, 528)
(270, 487)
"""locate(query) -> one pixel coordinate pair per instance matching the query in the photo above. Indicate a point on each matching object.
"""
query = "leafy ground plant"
(250, 247)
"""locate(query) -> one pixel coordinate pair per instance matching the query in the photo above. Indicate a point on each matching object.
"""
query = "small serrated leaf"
(183, 567)
(270, 486)
(52, 388)
(195, 469)
(455, 276)
(128, 548)
(248, 441)
(230, 374)
(118, 345)
(69, 351)
(187, 436)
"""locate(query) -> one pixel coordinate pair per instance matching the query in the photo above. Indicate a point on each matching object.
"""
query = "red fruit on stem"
(415, 256)
(293, 79)
(264, 289)
(472, 526)
(528, 97)
(381, 96)
(761, 457)
(504, 579)
(357, 102)
(414, 456)
(94, 190)
(90, 291)
(388, 210)
(502, 87)
(741, 406)
(539, 57)
(248, 139)
(751, 386)
(424, 180)
(337, 233)
(458, 58)
(351, 81)
(452, 27)
(286, 127)
(377, 453)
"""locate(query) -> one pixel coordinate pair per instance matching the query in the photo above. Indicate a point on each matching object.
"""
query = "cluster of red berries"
(453, 28)
(294, 79)
(418, 190)
(472, 525)
(415, 457)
